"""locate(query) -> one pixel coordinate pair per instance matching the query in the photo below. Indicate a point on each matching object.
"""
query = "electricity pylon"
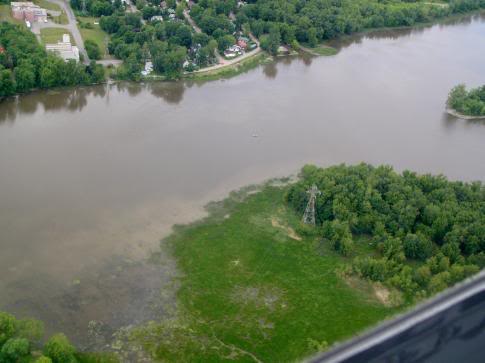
(309, 216)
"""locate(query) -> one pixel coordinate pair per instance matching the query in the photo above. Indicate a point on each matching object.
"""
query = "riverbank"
(464, 117)
(230, 70)
(254, 59)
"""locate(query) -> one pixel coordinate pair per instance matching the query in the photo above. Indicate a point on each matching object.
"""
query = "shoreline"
(261, 57)
(457, 114)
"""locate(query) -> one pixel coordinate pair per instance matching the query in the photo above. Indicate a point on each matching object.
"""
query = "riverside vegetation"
(171, 42)
(26, 65)
(258, 285)
(20, 342)
(468, 103)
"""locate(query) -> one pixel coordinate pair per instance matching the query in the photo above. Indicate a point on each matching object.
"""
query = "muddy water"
(92, 178)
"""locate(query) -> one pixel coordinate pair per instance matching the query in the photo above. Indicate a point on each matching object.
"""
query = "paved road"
(71, 26)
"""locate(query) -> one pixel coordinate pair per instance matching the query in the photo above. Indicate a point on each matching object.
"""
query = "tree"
(7, 327)
(271, 42)
(59, 349)
(92, 49)
(7, 83)
(417, 246)
(225, 42)
(25, 76)
(14, 349)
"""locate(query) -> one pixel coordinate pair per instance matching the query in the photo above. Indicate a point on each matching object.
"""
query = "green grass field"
(6, 15)
(95, 34)
(253, 288)
(47, 5)
(324, 50)
(53, 35)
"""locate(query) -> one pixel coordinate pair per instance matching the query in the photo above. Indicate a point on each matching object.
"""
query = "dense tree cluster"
(19, 338)
(426, 232)
(21, 341)
(316, 20)
(212, 16)
(470, 103)
(166, 44)
(96, 7)
(25, 64)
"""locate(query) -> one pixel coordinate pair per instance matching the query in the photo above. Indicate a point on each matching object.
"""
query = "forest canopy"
(426, 232)
(467, 102)
(314, 21)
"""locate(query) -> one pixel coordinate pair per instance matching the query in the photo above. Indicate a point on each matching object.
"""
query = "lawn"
(47, 5)
(6, 15)
(53, 35)
(324, 50)
(95, 34)
(253, 286)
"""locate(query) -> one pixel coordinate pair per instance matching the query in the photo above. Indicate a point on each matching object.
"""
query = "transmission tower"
(309, 216)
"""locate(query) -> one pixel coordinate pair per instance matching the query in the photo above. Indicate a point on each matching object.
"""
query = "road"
(71, 27)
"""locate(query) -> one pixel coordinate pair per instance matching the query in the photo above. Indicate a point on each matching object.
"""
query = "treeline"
(20, 341)
(314, 21)
(26, 65)
(96, 7)
(167, 44)
(426, 232)
(470, 103)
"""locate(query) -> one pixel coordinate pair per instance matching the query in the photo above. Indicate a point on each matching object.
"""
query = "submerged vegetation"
(468, 103)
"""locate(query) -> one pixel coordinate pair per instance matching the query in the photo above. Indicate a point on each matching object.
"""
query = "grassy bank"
(255, 288)
(232, 70)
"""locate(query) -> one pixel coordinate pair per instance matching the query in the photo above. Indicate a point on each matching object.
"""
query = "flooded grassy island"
(257, 284)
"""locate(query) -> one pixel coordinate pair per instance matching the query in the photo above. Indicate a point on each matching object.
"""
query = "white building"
(156, 18)
(64, 48)
(148, 69)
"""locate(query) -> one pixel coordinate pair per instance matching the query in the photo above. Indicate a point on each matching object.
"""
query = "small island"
(467, 104)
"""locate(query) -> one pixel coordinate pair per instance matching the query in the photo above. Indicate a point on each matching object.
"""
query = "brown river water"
(92, 178)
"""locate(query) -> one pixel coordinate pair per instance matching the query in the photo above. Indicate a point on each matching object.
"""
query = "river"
(92, 178)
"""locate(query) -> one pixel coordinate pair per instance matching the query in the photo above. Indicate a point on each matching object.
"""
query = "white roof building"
(64, 48)
(156, 18)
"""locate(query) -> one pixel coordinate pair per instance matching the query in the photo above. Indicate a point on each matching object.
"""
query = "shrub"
(14, 349)
(59, 349)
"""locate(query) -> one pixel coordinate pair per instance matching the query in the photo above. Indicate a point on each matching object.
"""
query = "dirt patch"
(289, 231)
(382, 294)
(374, 291)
